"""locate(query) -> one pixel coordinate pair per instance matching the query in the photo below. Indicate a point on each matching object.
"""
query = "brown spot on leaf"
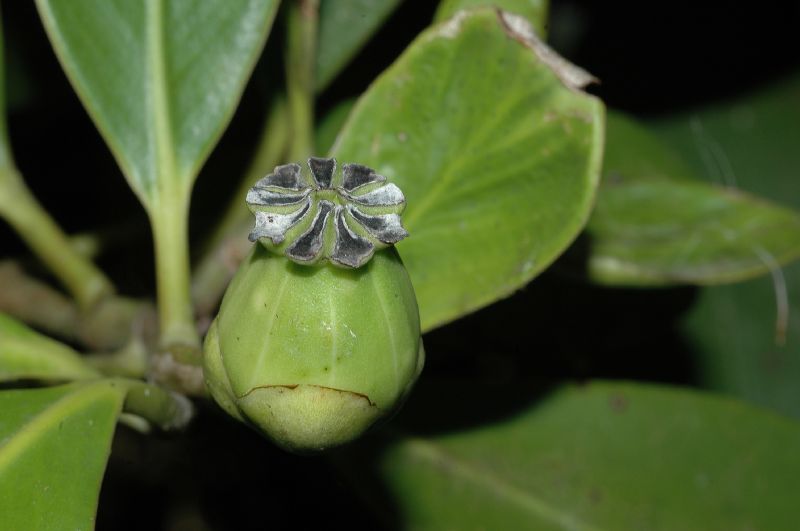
(595, 496)
(618, 403)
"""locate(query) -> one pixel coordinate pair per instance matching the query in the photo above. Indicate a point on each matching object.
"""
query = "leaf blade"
(655, 224)
(345, 26)
(50, 437)
(523, 104)
(25, 354)
(745, 336)
(604, 456)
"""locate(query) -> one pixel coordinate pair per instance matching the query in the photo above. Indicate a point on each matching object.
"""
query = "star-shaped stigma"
(340, 216)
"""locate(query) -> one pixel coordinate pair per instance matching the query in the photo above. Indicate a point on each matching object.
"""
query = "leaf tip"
(451, 28)
(518, 28)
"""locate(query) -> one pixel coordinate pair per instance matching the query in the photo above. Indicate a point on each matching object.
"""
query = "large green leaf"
(746, 339)
(54, 444)
(533, 10)
(604, 456)
(747, 336)
(345, 26)
(654, 225)
(497, 152)
(28, 354)
(160, 78)
(749, 142)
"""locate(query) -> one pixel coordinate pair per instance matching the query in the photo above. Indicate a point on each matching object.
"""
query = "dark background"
(653, 59)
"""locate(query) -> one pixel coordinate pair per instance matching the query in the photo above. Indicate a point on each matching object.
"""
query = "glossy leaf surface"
(498, 161)
(25, 354)
(160, 78)
(533, 10)
(54, 444)
(653, 224)
(747, 336)
(345, 26)
(604, 456)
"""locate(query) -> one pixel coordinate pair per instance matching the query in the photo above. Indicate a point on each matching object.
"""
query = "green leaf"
(604, 456)
(160, 78)
(746, 340)
(533, 10)
(27, 354)
(750, 142)
(654, 225)
(345, 26)
(498, 161)
(747, 336)
(54, 444)
(633, 151)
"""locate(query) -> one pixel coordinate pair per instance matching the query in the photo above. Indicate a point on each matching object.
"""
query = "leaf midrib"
(155, 70)
(501, 488)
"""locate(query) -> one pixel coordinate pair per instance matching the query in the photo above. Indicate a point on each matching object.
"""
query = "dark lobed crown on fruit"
(342, 217)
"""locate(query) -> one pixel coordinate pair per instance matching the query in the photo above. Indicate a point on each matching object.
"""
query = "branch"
(108, 325)
(84, 281)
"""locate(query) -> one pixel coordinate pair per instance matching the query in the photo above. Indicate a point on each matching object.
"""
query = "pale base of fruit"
(307, 417)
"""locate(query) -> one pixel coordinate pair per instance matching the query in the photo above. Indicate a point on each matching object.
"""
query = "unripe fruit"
(312, 356)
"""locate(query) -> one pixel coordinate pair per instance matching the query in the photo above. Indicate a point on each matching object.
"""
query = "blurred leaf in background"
(655, 224)
(26, 354)
(604, 455)
(747, 336)
(344, 27)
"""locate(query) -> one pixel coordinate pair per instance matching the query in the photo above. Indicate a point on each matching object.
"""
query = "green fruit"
(314, 356)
